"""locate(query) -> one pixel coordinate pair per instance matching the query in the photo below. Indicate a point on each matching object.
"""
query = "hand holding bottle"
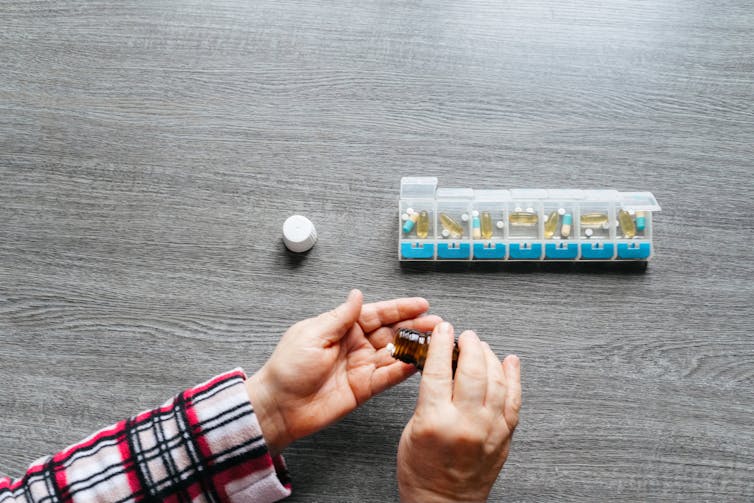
(458, 439)
(324, 367)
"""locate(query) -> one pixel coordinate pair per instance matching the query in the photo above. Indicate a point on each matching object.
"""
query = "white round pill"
(500, 224)
(561, 211)
(465, 217)
(475, 213)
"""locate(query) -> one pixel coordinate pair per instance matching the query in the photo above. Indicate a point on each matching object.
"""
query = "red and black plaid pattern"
(204, 445)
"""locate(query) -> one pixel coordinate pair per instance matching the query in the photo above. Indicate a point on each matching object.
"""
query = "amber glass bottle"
(411, 346)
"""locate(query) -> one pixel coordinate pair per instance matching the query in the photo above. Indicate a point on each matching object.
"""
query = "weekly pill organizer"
(523, 224)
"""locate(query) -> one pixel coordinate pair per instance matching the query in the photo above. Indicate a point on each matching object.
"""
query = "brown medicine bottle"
(411, 346)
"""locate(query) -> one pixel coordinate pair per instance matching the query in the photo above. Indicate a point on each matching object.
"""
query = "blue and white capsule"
(410, 218)
(641, 221)
(476, 225)
(565, 225)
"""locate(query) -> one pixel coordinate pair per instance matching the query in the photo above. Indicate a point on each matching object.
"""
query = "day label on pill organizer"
(464, 224)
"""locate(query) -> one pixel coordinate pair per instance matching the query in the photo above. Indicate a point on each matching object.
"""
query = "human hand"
(458, 439)
(324, 367)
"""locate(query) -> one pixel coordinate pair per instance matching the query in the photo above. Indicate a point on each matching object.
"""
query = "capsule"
(486, 225)
(422, 224)
(565, 228)
(449, 224)
(594, 219)
(641, 221)
(476, 231)
(523, 218)
(408, 225)
(411, 346)
(551, 224)
(626, 223)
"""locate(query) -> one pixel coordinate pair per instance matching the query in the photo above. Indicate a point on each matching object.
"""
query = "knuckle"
(498, 383)
(516, 402)
(488, 418)
(473, 372)
(469, 437)
(436, 376)
(511, 420)
(428, 431)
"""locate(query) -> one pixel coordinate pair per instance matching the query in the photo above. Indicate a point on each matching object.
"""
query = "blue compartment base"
(417, 250)
(561, 251)
(482, 252)
(533, 252)
(634, 251)
(591, 252)
(414, 250)
(463, 251)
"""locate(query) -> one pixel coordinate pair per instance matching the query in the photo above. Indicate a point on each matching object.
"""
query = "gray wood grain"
(150, 151)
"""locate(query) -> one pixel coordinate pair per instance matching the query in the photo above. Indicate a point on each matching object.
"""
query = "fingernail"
(515, 361)
(444, 328)
(353, 293)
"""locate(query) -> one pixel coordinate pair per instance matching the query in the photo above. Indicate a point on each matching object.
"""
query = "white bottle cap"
(299, 234)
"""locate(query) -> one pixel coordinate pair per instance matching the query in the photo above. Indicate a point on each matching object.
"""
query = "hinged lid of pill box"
(638, 201)
(418, 187)
(456, 194)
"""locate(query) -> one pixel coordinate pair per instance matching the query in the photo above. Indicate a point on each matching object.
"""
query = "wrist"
(416, 495)
(268, 415)
(414, 488)
(422, 495)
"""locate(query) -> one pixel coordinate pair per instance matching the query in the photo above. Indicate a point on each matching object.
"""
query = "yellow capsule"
(486, 225)
(422, 225)
(593, 219)
(626, 223)
(551, 224)
(523, 218)
(450, 225)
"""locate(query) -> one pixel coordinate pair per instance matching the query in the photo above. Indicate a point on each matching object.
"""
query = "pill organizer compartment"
(453, 224)
(633, 233)
(559, 228)
(488, 228)
(417, 219)
(525, 224)
(597, 226)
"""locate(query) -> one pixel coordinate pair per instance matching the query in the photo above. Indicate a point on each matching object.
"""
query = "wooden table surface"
(150, 152)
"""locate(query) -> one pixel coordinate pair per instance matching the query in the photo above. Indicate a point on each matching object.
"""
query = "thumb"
(334, 324)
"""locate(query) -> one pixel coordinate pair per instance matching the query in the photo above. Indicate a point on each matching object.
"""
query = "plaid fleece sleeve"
(204, 445)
